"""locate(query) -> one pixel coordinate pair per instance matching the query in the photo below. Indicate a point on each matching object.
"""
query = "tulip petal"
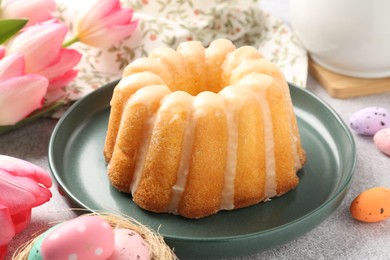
(25, 175)
(89, 15)
(2, 52)
(68, 59)
(26, 185)
(21, 220)
(110, 35)
(40, 45)
(3, 251)
(104, 23)
(11, 66)
(7, 227)
(61, 81)
(29, 88)
(19, 167)
(21, 192)
(35, 10)
(121, 17)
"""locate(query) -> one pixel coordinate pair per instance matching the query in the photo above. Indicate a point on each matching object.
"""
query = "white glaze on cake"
(184, 165)
(227, 201)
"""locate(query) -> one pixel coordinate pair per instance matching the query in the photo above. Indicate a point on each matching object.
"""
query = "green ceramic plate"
(77, 163)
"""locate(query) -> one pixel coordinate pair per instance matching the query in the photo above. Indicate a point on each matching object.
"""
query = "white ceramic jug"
(351, 37)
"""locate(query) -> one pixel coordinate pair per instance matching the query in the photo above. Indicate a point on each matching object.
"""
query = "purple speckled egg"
(382, 140)
(370, 120)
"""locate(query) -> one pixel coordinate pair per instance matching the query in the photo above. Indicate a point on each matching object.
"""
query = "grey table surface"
(338, 237)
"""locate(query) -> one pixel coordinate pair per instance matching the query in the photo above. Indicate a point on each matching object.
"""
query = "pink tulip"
(23, 186)
(2, 52)
(104, 23)
(35, 10)
(41, 46)
(20, 94)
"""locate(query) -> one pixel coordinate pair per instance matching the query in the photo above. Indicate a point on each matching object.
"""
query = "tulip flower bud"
(44, 55)
(34, 10)
(23, 186)
(104, 23)
(20, 93)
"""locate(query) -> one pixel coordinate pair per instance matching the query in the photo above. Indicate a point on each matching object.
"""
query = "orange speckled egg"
(372, 205)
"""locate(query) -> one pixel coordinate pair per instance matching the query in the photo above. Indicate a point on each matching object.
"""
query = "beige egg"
(372, 205)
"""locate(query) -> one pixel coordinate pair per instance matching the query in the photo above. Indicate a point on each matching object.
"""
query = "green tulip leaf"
(44, 111)
(9, 27)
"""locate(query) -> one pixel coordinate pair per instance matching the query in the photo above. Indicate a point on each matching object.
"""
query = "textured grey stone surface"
(338, 237)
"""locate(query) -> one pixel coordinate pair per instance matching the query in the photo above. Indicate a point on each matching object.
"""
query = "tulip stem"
(70, 41)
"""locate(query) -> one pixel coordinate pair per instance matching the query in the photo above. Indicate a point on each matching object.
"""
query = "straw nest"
(157, 247)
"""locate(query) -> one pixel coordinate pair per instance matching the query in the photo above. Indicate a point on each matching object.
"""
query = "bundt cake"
(197, 130)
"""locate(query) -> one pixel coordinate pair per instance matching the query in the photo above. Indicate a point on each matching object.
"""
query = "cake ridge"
(184, 165)
(126, 87)
(150, 96)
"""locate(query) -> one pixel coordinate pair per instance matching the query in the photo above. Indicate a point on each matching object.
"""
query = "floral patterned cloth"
(169, 22)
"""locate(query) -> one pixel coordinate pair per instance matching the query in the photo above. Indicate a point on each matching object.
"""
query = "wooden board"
(340, 86)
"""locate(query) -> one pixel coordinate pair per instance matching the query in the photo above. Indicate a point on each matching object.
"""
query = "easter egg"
(372, 205)
(85, 237)
(35, 252)
(129, 245)
(382, 141)
(370, 120)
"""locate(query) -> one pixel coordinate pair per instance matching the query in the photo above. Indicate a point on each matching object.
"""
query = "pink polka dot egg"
(89, 238)
(85, 237)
